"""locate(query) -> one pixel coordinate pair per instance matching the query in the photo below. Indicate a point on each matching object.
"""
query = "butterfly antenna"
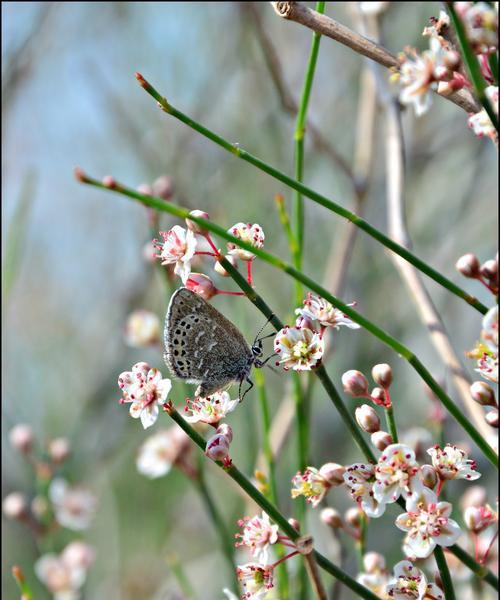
(273, 369)
(269, 319)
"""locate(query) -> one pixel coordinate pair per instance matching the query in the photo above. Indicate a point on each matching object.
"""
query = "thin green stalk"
(472, 65)
(449, 592)
(361, 543)
(382, 335)
(391, 423)
(22, 584)
(480, 570)
(285, 222)
(224, 537)
(300, 130)
(176, 567)
(273, 512)
(493, 61)
(283, 580)
(318, 198)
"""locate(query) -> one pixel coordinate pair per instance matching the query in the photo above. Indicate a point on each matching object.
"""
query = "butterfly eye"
(257, 349)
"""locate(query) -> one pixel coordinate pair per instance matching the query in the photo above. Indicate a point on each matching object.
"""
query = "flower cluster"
(301, 347)
(313, 484)
(480, 122)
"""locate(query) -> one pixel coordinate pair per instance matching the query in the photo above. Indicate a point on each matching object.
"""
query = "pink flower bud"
(21, 438)
(217, 447)
(195, 228)
(202, 285)
(482, 393)
(373, 562)
(59, 450)
(145, 189)
(15, 506)
(109, 182)
(381, 439)
(492, 418)
(378, 396)
(478, 518)
(489, 269)
(476, 495)
(333, 473)
(218, 268)
(468, 266)
(367, 418)
(163, 187)
(382, 375)
(429, 476)
(225, 430)
(332, 518)
(355, 383)
(354, 516)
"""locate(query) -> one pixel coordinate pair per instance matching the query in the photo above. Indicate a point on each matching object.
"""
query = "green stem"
(472, 65)
(480, 570)
(449, 592)
(382, 335)
(224, 537)
(176, 567)
(493, 60)
(361, 543)
(318, 198)
(22, 584)
(283, 580)
(273, 512)
(391, 423)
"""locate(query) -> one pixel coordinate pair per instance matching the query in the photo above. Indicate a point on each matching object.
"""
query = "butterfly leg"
(248, 389)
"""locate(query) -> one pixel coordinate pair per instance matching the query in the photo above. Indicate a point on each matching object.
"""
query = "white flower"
(311, 484)
(489, 333)
(155, 457)
(319, 309)
(142, 329)
(258, 534)
(397, 473)
(146, 390)
(487, 365)
(410, 583)
(252, 234)
(210, 410)
(74, 507)
(300, 348)
(481, 24)
(217, 447)
(481, 124)
(452, 463)
(427, 523)
(65, 574)
(255, 579)
(360, 478)
(178, 248)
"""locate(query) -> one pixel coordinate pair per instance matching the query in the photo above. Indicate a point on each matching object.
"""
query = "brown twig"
(295, 11)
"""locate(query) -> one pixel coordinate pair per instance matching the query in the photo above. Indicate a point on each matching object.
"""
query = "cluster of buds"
(482, 393)
(487, 273)
(301, 347)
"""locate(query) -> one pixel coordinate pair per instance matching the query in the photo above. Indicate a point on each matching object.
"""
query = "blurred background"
(73, 264)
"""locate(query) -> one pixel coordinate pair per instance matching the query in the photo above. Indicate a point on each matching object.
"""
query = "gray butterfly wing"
(202, 346)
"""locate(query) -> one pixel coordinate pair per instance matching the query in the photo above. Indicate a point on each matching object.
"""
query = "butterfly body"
(202, 346)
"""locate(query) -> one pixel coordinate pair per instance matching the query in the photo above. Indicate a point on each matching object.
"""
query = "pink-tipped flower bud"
(367, 418)
(332, 518)
(478, 518)
(217, 447)
(354, 516)
(294, 523)
(225, 429)
(429, 476)
(378, 396)
(382, 375)
(218, 268)
(476, 495)
(381, 439)
(21, 438)
(468, 266)
(59, 450)
(482, 393)
(492, 418)
(489, 269)
(373, 562)
(145, 189)
(355, 383)
(202, 285)
(109, 182)
(195, 227)
(15, 505)
(333, 473)
(163, 187)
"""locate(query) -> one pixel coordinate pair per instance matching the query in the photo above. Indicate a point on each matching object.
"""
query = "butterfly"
(203, 347)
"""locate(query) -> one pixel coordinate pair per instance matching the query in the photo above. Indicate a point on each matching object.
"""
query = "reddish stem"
(274, 565)
(490, 546)
(476, 546)
(388, 402)
(230, 293)
(249, 272)
(205, 254)
(212, 245)
(440, 486)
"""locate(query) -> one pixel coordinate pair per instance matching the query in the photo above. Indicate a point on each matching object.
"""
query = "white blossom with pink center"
(74, 507)
(146, 390)
(397, 473)
(418, 76)
(299, 348)
(360, 479)
(65, 574)
(258, 534)
(256, 580)
(428, 524)
(210, 410)
(311, 484)
(318, 309)
(410, 583)
(452, 463)
(479, 518)
(247, 232)
(179, 246)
